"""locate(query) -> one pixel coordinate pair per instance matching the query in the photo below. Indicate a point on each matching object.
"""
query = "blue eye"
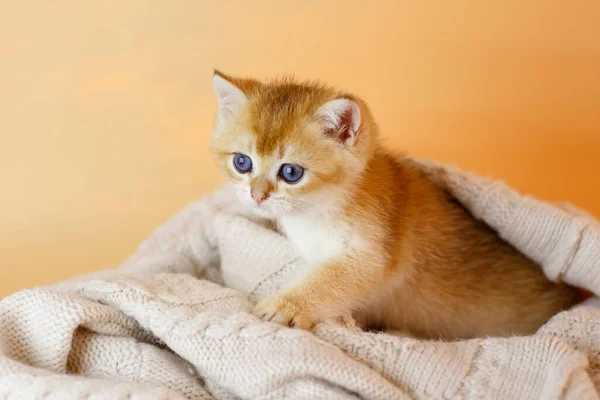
(242, 163)
(291, 173)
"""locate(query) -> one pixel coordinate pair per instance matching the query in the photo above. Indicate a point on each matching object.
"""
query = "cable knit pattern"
(173, 321)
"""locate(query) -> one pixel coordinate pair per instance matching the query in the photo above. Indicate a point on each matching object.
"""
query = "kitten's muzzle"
(260, 197)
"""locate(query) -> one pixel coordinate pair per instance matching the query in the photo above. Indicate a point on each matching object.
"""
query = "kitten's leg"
(328, 290)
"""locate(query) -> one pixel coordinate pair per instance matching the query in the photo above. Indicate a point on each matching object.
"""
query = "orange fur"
(378, 237)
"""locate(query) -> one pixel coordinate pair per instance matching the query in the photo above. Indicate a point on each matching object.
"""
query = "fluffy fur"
(379, 239)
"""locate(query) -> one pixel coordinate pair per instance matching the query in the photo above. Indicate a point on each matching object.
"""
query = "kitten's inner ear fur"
(230, 98)
(341, 120)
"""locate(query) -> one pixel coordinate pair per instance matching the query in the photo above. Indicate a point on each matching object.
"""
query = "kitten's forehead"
(280, 112)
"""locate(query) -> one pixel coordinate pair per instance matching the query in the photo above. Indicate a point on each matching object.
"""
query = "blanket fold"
(173, 321)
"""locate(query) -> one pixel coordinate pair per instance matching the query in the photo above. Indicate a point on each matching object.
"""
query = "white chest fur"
(318, 240)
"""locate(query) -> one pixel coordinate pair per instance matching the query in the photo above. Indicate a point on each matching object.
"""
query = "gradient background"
(106, 106)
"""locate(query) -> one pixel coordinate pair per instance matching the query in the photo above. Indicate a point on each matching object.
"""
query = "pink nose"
(260, 197)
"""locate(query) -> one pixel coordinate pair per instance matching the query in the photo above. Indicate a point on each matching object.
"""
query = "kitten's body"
(378, 237)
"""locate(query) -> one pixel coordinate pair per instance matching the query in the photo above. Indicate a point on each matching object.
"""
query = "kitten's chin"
(263, 212)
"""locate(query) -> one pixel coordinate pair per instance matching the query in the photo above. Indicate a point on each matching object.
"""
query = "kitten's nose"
(259, 196)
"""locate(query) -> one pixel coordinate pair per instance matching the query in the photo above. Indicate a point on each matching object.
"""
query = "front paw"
(284, 310)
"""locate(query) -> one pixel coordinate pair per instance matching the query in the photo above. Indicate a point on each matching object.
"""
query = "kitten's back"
(456, 277)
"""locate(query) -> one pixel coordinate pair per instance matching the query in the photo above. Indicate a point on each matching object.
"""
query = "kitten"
(379, 238)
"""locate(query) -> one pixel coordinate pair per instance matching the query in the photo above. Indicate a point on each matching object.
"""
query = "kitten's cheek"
(245, 198)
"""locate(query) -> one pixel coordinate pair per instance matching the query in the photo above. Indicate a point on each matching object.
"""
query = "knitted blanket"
(173, 321)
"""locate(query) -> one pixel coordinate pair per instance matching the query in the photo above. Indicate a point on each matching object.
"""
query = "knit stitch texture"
(173, 321)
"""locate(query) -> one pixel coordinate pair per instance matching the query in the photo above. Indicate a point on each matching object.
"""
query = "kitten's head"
(289, 147)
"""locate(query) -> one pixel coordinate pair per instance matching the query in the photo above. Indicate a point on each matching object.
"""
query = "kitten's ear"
(341, 119)
(230, 98)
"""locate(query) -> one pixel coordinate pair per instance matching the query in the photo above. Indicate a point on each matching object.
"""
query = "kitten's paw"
(285, 311)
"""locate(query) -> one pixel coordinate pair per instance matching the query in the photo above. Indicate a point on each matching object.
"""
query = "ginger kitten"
(379, 239)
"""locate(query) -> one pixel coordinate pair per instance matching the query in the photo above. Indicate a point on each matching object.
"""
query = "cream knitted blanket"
(158, 328)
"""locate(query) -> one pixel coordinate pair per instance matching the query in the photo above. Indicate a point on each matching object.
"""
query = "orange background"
(106, 106)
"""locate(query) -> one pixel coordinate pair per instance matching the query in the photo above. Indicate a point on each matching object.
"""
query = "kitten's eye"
(291, 173)
(242, 163)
